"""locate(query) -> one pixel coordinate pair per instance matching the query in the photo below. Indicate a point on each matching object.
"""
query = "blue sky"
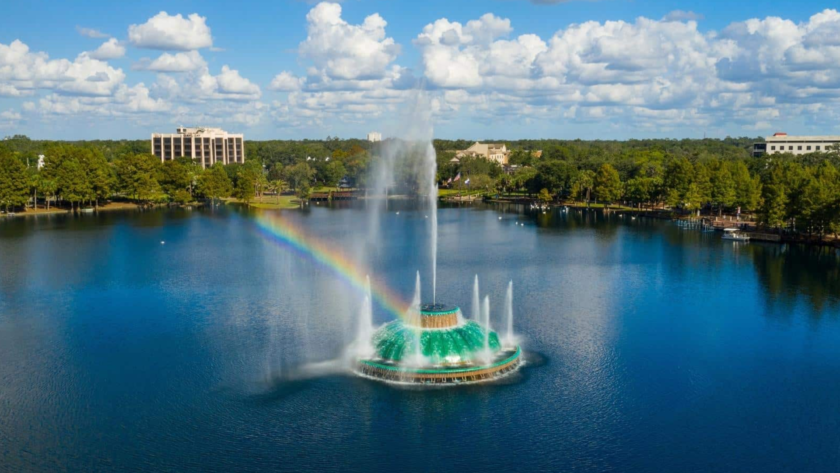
(493, 68)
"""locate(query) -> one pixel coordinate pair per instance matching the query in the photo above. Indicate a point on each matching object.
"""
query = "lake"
(174, 340)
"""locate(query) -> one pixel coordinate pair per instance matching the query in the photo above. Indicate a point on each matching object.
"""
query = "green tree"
(303, 192)
(47, 187)
(100, 175)
(747, 187)
(703, 184)
(545, 196)
(583, 184)
(484, 183)
(774, 199)
(693, 197)
(607, 184)
(678, 176)
(177, 175)
(215, 183)
(249, 181)
(299, 174)
(333, 172)
(138, 177)
(641, 190)
(14, 181)
(723, 187)
(72, 182)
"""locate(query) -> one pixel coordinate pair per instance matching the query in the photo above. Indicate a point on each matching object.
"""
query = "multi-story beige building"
(492, 151)
(207, 145)
(784, 143)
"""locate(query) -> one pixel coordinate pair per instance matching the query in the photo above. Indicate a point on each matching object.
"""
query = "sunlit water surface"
(173, 340)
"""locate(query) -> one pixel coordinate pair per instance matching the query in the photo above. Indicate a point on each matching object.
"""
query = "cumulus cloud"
(200, 86)
(344, 51)
(167, 62)
(9, 118)
(111, 49)
(23, 71)
(124, 102)
(171, 32)
(778, 58)
(286, 82)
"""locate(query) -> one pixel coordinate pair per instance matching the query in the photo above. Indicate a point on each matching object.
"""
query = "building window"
(790, 148)
(773, 148)
(818, 147)
(809, 148)
(799, 148)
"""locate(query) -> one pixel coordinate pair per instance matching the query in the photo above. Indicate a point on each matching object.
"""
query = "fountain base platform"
(508, 362)
(435, 345)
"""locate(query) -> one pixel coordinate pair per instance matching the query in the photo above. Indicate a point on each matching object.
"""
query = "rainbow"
(292, 237)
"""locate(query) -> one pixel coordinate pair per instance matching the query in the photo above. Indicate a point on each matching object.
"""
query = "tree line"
(74, 175)
(715, 176)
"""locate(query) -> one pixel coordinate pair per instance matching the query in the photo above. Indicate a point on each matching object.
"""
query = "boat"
(735, 234)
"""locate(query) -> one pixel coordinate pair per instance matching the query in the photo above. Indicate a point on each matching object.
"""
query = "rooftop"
(786, 137)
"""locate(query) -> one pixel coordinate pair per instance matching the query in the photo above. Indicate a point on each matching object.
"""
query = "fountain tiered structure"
(434, 344)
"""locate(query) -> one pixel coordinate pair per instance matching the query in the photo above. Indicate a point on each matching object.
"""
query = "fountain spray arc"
(433, 343)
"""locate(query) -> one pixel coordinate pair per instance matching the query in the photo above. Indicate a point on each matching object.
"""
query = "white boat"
(735, 234)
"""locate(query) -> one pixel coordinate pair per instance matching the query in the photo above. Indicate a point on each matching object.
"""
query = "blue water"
(649, 347)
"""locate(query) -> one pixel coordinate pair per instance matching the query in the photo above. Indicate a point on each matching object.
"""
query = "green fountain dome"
(396, 341)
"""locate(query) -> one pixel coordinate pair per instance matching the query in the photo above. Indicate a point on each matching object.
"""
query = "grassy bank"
(282, 202)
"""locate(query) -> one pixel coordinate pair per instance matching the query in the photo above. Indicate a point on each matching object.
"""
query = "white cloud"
(9, 119)
(111, 49)
(90, 32)
(124, 102)
(230, 82)
(23, 71)
(790, 62)
(172, 32)
(199, 86)
(344, 51)
(286, 82)
(167, 62)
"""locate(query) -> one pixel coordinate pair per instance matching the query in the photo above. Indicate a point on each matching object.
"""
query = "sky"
(478, 69)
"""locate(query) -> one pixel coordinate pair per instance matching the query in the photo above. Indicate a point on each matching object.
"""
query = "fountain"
(428, 343)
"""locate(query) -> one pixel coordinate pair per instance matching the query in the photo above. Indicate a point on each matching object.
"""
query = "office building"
(783, 143)
(206, 145)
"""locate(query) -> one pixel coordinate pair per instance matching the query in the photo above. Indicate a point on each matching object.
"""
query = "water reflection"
(790, 273)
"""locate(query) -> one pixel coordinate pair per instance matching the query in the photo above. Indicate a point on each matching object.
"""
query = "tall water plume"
(407, 165)
(509, 337)
(485, 312)
(476, 302)
(416, 302)
(364, 330)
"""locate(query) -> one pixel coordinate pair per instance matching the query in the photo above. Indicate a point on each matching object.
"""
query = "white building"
(492, 151)
(784, 143)
(374, 136)
(207, 145)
